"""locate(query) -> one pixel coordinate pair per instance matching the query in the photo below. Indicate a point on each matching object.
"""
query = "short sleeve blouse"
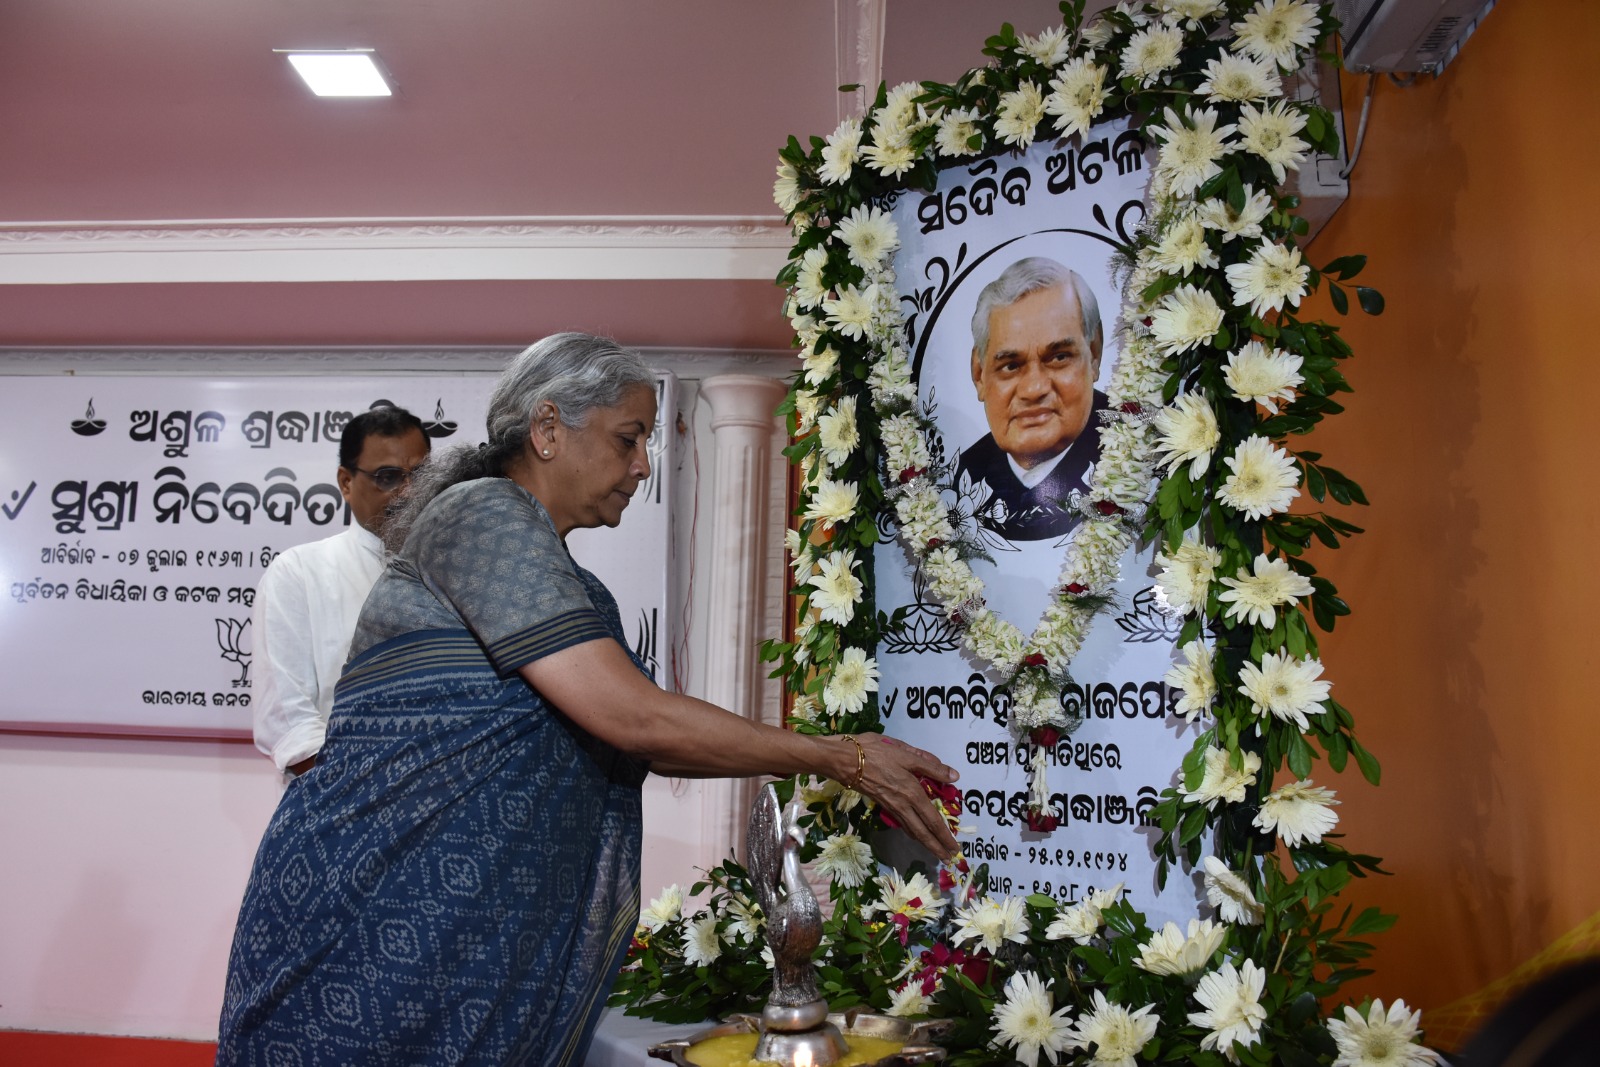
(485, 554)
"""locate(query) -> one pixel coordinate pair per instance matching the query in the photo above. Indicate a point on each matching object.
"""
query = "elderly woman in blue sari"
(457, 879)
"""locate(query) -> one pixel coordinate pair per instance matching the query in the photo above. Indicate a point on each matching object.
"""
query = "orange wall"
(1469, 661)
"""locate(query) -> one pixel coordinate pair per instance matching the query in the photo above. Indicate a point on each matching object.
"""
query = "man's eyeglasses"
(388, 479)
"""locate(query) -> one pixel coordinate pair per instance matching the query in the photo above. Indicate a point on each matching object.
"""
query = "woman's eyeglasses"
(388, 479)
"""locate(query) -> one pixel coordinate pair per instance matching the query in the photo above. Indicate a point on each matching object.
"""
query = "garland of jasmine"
(1217, 373)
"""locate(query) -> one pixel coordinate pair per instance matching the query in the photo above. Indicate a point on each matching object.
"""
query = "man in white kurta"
(309, 598)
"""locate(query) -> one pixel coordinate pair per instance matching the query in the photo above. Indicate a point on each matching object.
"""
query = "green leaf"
(1371, 300)
(1371, 921)
(1194, 823)
(1346, 267)
(1300, 757)
(1367, 761)
(1341, 303)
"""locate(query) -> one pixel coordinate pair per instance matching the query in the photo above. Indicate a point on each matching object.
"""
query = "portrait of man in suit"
(1036, 344)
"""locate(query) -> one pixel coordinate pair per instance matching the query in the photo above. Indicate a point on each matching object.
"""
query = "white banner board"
(1073, 204)
(137, 514)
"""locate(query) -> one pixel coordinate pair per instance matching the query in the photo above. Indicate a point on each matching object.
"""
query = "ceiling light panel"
(340, 73)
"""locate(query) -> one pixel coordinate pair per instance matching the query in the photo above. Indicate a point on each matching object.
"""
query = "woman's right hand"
(892, 775)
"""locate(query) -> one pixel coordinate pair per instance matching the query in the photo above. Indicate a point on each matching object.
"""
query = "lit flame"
(802, 1057)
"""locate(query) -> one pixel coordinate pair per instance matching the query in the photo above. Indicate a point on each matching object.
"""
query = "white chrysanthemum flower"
(810, 286)
(1150, 52)
(1264, 375)
(908, 1001)
(804, 708)
(1273, 276)
(850, 312)
(1234, 1013)
(1047, 48)
(1255, 597)
(786, 188)
(662, 909)
(900, 108)
(1175, 12)
(1171, 951)
(1235, 79)
(1188, 433)
(1186, 576)
(833, 502)
(1223, 781)
(1196, 677)
(957, 128)
(1298, 812)
(869, 233)
(1270, 134)
(1104, 898)
(1380, 1039)
(993, 922)
(1018, 114)
(806, 406)
(1277, 30)
(854, 676)
(1245, 223)
(1098, 33)
(1186, 317)
(890, 159)
(836, 591)
(1284, 687)
(1081, 924)
(1263, 481)
(1077, 96)
(845, 857)
(837, 431)
(1024, 1020)
(914, 897)
(840, 152)
(1116, 1033)
(819, 364)
(1183, 247)
(1190, 150)
(701, 942)
(805, 566)
(1230, 895)
(747, 918)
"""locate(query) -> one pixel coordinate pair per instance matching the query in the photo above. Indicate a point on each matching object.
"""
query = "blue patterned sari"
(456, 881)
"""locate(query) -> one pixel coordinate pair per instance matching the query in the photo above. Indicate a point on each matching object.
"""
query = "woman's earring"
(546, 453)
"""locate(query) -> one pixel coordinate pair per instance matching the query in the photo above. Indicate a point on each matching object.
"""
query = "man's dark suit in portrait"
(1036, 344)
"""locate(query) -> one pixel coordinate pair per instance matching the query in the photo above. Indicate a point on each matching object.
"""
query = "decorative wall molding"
(587, 247)
(687, 363)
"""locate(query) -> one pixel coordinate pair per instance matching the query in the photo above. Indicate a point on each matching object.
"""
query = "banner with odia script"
(1016, 394)
(137, 514)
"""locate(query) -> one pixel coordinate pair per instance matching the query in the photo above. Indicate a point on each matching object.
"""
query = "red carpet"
(23, 1048)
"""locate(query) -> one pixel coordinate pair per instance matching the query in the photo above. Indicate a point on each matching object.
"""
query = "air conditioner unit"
(1406, 36)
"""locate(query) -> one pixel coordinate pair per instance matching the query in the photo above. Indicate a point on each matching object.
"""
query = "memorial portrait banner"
(138, 513)
(1018, 434)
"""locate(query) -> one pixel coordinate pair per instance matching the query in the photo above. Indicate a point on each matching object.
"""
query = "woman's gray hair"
(574, 372)
(1029, 276)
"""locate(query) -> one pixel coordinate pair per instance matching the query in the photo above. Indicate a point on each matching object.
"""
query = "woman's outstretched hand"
(894, 776)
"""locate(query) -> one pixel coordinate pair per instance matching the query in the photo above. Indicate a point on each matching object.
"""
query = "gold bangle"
(861, 765)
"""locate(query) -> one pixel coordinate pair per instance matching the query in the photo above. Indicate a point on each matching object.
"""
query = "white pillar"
(742, 427)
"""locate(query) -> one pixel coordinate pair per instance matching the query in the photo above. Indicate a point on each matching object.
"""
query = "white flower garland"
(1167, 309)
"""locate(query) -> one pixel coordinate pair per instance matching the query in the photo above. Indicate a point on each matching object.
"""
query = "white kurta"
(305, 614)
